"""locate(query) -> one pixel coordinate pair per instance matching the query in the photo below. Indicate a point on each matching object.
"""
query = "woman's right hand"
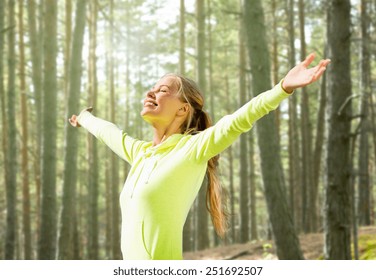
(73, 120)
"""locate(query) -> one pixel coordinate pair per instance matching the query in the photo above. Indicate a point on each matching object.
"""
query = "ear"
(183, 110)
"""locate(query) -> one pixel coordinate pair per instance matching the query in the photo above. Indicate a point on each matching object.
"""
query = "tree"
(93, 160)
(48, 227)
(11, 162)
(338, 163)
(293, 132)
(365, 88)
(116, 253)
(202, 218)
(286, 240)
(244, 185)
(187, 229)
(71, 140)
(2, 103)
(36, 75)
(308, 207)
(25, 136)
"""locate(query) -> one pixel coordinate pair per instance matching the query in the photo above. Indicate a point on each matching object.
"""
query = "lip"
(150, 102)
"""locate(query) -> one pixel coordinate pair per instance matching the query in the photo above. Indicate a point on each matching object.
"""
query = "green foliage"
(267, 251)
(367, 247)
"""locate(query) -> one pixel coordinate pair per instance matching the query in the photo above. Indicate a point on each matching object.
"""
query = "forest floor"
(312, 245)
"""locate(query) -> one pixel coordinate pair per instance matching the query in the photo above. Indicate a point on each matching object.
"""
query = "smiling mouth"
(150, 103)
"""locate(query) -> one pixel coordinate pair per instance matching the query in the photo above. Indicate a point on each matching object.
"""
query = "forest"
(307, 169)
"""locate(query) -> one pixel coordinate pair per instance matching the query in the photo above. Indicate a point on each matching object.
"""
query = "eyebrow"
(161, 86)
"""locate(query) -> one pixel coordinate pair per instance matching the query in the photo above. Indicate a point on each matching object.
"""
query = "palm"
(300, 75)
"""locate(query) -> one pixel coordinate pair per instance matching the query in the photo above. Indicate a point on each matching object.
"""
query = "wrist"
(286, 89)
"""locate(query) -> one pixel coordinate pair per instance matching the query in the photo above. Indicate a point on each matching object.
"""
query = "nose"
(150, 94)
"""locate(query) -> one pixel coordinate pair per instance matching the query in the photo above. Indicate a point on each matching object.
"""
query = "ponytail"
(198, 120)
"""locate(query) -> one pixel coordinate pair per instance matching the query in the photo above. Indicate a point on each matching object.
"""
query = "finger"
(71, 122)
(308, 60)
(326, 62)
(319, 73)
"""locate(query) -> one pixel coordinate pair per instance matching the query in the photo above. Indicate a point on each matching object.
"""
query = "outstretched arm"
(119, 142)
(301, 75)
(218, 137)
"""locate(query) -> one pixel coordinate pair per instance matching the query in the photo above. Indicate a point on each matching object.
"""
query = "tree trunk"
(66, 243)
(67, 46)
(4, 123)
(202, 218)
(47, 237)
(338, 164)
(293, 132)
(275, 64)
(108, 207)
(229, 110)
(182, 38)
(25, 136)
(309, 208)
(187, 230)
(93, 185)
(253, 188)
(286, 240)
(36, 62)
(244, 201)
(364, 217)
(319, 144)
(11, 186)
(116, 252)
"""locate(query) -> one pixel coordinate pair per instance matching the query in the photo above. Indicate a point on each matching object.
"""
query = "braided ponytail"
(198, 120)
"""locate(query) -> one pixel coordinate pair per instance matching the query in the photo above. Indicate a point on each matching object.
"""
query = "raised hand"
(300, 75)
(73, 119)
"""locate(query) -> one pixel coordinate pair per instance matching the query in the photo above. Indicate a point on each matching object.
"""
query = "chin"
(145, 116)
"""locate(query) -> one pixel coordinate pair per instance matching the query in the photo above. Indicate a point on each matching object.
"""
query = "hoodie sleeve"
(217, 138)
(119, 142)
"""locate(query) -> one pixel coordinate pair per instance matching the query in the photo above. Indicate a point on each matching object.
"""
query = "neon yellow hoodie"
(164, 179)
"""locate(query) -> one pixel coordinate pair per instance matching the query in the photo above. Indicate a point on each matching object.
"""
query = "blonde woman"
(167, 172)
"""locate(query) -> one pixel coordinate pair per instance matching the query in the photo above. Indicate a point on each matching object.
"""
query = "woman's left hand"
(300, 75)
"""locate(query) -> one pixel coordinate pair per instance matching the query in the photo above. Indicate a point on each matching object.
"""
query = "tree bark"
(25, 136)
(93, 181)
(308, 206)
(66, 243)
(36, 75)
(67, 46)
(252, 188)
(244, 185)
(364, 217)
(338, 163)
(202, 218)
(293, 132)
(116, 252)
(286, 240)
(4, 123)
(48, 230)
(11, 186)
(187, 230)
(319, 144)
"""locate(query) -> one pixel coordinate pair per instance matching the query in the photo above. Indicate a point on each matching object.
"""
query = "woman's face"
(162, 104)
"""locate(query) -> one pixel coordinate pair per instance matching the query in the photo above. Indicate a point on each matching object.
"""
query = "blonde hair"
(198, 120)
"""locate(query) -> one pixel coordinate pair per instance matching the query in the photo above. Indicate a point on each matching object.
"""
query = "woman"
(166, 173)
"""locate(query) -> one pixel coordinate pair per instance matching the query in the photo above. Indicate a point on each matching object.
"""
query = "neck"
(162, 133)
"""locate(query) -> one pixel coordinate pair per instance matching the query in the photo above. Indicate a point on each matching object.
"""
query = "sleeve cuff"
(283, 90)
